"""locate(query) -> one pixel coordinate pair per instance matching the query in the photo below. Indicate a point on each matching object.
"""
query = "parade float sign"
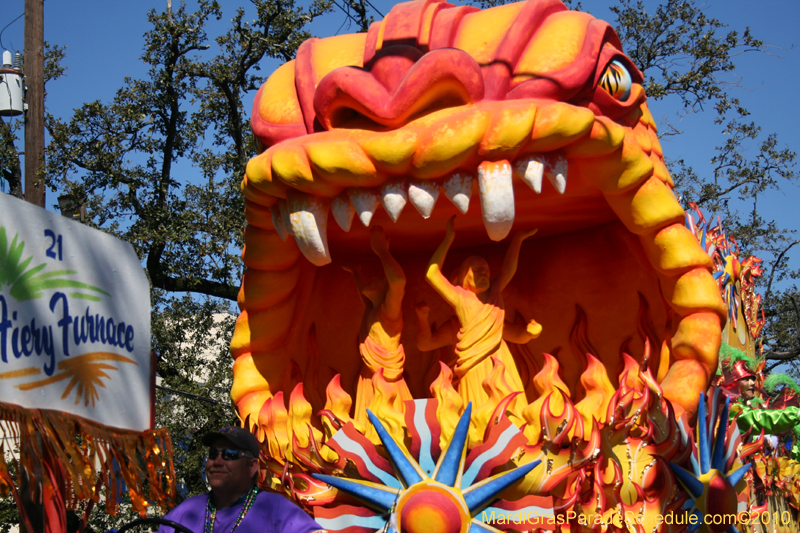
(74, 319)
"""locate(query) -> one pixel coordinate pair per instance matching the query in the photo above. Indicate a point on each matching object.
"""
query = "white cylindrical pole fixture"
(11, 88)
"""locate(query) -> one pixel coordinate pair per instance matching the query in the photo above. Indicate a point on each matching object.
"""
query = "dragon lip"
(344, 174)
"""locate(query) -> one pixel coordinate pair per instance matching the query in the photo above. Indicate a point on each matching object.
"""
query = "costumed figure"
(447, 334)
(787, 401)
(235, 502)
(772, 422)
(739, 380)
(478, 303)
(381, 327)
(789, 394)
(435, 338)
(738, 375)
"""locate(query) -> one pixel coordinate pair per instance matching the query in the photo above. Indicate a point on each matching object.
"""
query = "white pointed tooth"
(423, 195)
(277, 221)
(458, 189)
(365, 202)
(284, 210)
(343, 212)
(556, 172)
(394, 198)
(497, 198)
(309, 216)
(531, 169)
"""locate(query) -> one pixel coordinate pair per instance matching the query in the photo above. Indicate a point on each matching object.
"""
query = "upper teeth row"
(306, 217)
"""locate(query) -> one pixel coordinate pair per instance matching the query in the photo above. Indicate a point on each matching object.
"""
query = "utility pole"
(34, 118)
(34, 193)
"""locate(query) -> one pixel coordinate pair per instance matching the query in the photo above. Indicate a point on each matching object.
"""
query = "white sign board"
(74, 319)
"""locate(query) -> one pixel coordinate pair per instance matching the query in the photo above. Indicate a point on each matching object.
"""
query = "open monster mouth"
(431, 115)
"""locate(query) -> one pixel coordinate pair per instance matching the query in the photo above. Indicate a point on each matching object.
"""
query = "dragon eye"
(616, 80)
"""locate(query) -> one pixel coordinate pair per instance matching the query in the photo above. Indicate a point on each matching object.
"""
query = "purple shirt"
(270, 513)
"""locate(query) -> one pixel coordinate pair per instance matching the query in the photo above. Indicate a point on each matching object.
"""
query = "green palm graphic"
(29, 283)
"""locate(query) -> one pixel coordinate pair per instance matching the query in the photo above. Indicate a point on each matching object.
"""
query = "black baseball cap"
(239, 437)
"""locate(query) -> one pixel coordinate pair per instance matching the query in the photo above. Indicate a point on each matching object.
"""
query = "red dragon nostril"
(390, 65)
(395, 88)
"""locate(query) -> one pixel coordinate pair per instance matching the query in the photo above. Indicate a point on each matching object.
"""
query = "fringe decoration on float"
(81, 459)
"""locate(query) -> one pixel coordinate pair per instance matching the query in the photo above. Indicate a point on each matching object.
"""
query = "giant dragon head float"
(519, 117)
(471, 108)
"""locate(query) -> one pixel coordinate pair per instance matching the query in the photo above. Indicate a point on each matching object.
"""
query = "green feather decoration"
(774, 380)
(728, 355)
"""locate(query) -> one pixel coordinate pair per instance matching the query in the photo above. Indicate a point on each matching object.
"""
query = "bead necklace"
(211, 511)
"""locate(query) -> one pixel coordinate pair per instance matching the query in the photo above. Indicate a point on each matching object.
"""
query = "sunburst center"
(721, 499)
(432, 509)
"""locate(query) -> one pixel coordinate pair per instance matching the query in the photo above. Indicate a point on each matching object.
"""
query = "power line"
(194, 396)
(6, 26)
(349, 5)
(375, 8)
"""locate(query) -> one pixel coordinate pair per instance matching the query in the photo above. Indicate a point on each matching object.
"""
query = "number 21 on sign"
(54, 251)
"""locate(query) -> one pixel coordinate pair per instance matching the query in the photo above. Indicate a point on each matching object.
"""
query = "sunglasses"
(228, 454)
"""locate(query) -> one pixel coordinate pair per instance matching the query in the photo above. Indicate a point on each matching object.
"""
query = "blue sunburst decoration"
(711, 489)
(443, 499)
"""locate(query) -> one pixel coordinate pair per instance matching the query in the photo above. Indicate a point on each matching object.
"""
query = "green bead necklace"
(211, 511)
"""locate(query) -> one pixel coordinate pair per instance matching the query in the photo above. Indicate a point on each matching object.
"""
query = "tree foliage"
(10, 167)
(160, 164)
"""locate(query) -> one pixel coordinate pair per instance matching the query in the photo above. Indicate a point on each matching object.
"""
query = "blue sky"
(103, 41)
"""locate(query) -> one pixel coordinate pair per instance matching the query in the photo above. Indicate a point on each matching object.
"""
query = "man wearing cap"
(235, 503)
